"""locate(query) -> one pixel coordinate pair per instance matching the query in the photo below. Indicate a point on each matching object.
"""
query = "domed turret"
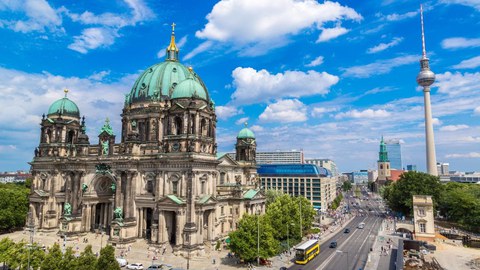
(64, 107)
(189, 88)
(245, 133)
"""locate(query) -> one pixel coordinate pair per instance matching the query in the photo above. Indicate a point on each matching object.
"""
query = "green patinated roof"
(246, 133)
(64, 106)
(204, 199)
(107, 128)
(250, 194)
(189, 88)
(220, 155)
(175, 199)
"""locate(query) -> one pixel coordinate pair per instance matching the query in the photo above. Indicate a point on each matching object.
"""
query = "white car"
(121, 261)
(135, 266)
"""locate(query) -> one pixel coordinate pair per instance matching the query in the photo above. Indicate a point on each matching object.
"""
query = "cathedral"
(162, 180)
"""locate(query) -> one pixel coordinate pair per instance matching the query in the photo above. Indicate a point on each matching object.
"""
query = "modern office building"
(280, 157)
(442, 168)
(394, 150)
(411, 167)
(307, 180)
(325, 163)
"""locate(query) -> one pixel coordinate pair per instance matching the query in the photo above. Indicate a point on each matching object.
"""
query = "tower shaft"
(429, 139)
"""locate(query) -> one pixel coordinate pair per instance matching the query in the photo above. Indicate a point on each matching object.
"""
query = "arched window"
(381, 166)
(175, 187)
(203, 187)
(222, 178)
(70, 136)
(178, 125)
(192, 124)
(48, 136)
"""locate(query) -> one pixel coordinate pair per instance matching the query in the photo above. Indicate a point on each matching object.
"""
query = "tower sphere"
(425, 78)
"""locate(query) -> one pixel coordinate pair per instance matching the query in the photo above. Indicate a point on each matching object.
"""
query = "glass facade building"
(306, 180)
(394, 150)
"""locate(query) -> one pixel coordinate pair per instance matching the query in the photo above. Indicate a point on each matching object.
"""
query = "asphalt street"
(352, 248)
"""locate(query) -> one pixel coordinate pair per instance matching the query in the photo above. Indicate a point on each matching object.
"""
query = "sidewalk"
(383, 260)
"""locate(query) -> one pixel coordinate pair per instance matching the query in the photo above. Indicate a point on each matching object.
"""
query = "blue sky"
(327, 77)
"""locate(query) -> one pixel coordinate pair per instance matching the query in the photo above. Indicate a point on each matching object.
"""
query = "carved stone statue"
(113, 187)
(118, 213)
(67, 209)
(105, 146)
(84, 187)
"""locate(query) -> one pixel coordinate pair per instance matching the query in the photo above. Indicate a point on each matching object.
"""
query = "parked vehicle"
(135, 266)
(122, 262)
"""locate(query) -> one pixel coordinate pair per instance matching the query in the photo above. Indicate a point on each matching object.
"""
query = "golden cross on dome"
(65, 91)
(246, 124)
(173, 27)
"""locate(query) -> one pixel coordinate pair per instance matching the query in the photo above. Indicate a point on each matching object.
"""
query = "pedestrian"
(213, 260)
(164, 249)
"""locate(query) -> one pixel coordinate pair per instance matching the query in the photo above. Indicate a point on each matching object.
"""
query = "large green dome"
(246, 133)
(189, 88)
(65, 107)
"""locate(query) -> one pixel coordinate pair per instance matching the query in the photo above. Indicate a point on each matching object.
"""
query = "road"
(352, 248)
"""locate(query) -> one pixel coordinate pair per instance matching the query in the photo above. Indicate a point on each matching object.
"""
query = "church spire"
(383, 154)
(172, 49)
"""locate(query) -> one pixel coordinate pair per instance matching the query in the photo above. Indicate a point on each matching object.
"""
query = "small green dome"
(64, 106)
(189, 88)
(246, 133)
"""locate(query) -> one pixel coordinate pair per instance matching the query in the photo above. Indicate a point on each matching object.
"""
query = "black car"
(333, 244)
(347, 230)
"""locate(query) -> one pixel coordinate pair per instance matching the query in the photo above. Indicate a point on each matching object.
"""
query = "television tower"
(425, 78)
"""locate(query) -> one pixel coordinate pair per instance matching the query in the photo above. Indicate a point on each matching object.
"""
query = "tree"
(284, 216)
(461, 203)
(399, 195)
(346, 186)
(244, 240)
(53, 259)
(271, 195)
(106, 260)
(5, 245)
(69, 261)
(87, 259)
(13, 206)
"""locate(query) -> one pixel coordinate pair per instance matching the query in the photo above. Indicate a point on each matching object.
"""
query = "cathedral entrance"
(171, 223)
(102, 217)
(148, 223)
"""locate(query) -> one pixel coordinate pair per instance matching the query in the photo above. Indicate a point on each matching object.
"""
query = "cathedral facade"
(162, 180)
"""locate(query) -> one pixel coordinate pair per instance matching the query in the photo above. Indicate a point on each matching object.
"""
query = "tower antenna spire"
(424, 51)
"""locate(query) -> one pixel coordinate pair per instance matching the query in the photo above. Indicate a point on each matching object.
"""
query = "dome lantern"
(246, 133)
(64, 107)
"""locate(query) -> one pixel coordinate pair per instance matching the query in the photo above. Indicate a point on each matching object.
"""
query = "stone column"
(75, 192)
(68, 188)
(162, 227)
(92, 216)
(139, 223)
(118, 191)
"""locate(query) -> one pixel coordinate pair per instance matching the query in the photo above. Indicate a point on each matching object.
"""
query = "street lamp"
(258, 238)
(339, 251)
(300, 207)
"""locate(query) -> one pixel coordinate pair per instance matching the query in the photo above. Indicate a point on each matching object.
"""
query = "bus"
(307, 251)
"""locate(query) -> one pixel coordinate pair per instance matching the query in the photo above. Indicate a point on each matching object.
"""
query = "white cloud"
(107, 26)
(453, 127)
(320, 111)
(377, 90)
(435, 122)
(467, 155)
(315, 62)
(468, 63)
(257, 128)
(471, 3)
(98, 76)
(368, 113)
(254, 86)
(241, 121)
(383, 46)
(41, 16)
(476, 111)
(285, 111)
(199, 49)
(379, 66)
(331, 33)
(399, 17)
(93, 38)
(163, 51)
(455, 84)
(267, 25)
(225, 112)
(460, 42)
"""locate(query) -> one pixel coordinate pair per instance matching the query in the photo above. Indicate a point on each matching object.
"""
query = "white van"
(121, 261)
(361, 225)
